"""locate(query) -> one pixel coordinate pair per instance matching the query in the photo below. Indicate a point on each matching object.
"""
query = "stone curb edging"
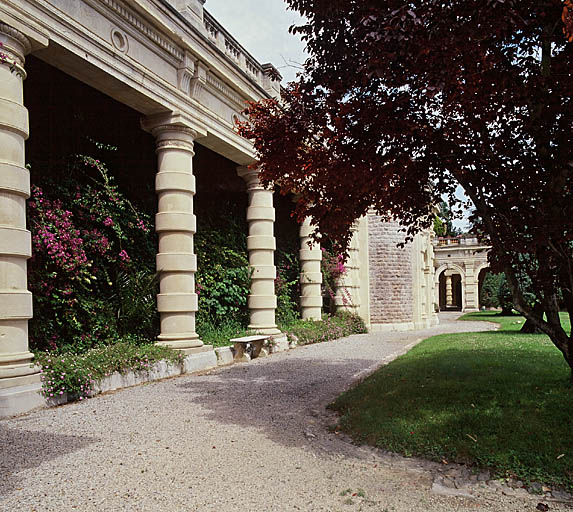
(220, 356)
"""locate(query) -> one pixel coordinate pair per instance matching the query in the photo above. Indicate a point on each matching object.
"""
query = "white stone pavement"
(250, 437)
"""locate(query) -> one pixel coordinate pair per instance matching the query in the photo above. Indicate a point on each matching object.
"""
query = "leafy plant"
(88, 242)
(287, 287)
(77, 374)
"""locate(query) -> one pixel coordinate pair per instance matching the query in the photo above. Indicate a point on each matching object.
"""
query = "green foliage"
(504, 297)
(93, 258)
(76, 374)
(329, 328)
(223, 277)
(443, 222)
(439, 227)
(489, 290)
(220, 333)
(287, 287)
(497, 399)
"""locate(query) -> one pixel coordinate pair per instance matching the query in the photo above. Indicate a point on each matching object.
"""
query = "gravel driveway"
(250, 437)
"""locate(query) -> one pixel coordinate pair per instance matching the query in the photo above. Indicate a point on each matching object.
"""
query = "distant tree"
(489, 289)
(402, 102)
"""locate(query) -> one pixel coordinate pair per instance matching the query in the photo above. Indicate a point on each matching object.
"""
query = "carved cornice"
(225, 90)
(142, 26)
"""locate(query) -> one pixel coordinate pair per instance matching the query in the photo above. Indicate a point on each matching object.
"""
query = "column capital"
(172, 125)
(15, 46)
(251, 176)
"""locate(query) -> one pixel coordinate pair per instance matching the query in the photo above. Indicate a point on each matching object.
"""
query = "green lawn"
(493, 399)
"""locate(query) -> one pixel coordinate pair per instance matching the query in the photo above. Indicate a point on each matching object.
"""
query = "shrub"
(76, 374)
(332, 268)
(287, 288)
(223, 277)
(329, 328)
(92, 256)
(489, 290)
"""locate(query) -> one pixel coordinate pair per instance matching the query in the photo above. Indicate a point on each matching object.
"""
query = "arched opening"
(481, 278)
(450, 291)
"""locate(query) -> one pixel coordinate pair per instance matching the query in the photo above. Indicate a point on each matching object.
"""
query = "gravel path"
(250, 437)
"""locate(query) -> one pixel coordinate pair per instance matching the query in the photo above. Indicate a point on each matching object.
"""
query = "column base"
(21, 398)
(264, 330)
(179, 342)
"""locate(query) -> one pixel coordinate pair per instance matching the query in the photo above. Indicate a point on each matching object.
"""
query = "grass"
(499, 400)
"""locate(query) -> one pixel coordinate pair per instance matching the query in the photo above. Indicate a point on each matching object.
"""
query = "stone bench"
(256, 342)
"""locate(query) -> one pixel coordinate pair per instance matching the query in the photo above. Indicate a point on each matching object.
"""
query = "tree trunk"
(530, 326)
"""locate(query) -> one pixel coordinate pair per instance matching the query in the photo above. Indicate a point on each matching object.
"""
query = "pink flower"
(108, 221)
(124, 256)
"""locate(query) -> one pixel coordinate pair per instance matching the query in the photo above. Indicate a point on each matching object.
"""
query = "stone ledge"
(203, 360)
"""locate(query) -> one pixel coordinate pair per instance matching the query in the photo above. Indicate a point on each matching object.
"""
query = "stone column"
(311, 275)
(19, 380)
(449, 291)
(176, 225)
(261, 246)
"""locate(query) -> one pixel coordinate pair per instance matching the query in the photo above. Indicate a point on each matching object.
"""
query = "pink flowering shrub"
(86, 237)
(333, 268)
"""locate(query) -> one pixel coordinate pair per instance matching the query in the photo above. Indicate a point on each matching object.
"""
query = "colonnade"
(177, 301)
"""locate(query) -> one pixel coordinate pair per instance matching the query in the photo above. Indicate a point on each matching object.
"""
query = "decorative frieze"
(220, 86)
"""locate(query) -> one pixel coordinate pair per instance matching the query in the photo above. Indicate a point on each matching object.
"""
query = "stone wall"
(391, 293)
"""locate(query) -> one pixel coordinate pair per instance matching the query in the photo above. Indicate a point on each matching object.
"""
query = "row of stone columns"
(177, 302)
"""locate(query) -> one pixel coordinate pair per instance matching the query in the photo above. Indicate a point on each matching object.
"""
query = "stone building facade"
(460, 265)
(189, 79)
(400, 280)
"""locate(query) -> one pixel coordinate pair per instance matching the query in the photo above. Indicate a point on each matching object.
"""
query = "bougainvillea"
(86, 237)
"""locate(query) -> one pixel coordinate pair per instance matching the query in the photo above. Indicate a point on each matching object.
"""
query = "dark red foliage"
(401, 102)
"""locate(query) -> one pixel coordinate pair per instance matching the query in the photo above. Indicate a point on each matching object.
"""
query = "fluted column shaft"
(175, 224)
(310, 276)
(261, 247)
(15, 239)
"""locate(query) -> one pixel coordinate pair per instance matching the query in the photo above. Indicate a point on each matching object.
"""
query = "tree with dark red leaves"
(401, 102)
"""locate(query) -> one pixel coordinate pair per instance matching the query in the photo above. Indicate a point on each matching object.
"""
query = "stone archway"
(450, 283)
(481, 272)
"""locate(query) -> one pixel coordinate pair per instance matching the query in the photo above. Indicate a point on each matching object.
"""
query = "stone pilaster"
(175, 224)
(261, 246)
(310, 275)
(19, 379)
(471, 290)
(348, 285)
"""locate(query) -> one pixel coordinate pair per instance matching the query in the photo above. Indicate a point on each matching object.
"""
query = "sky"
(261, 27)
